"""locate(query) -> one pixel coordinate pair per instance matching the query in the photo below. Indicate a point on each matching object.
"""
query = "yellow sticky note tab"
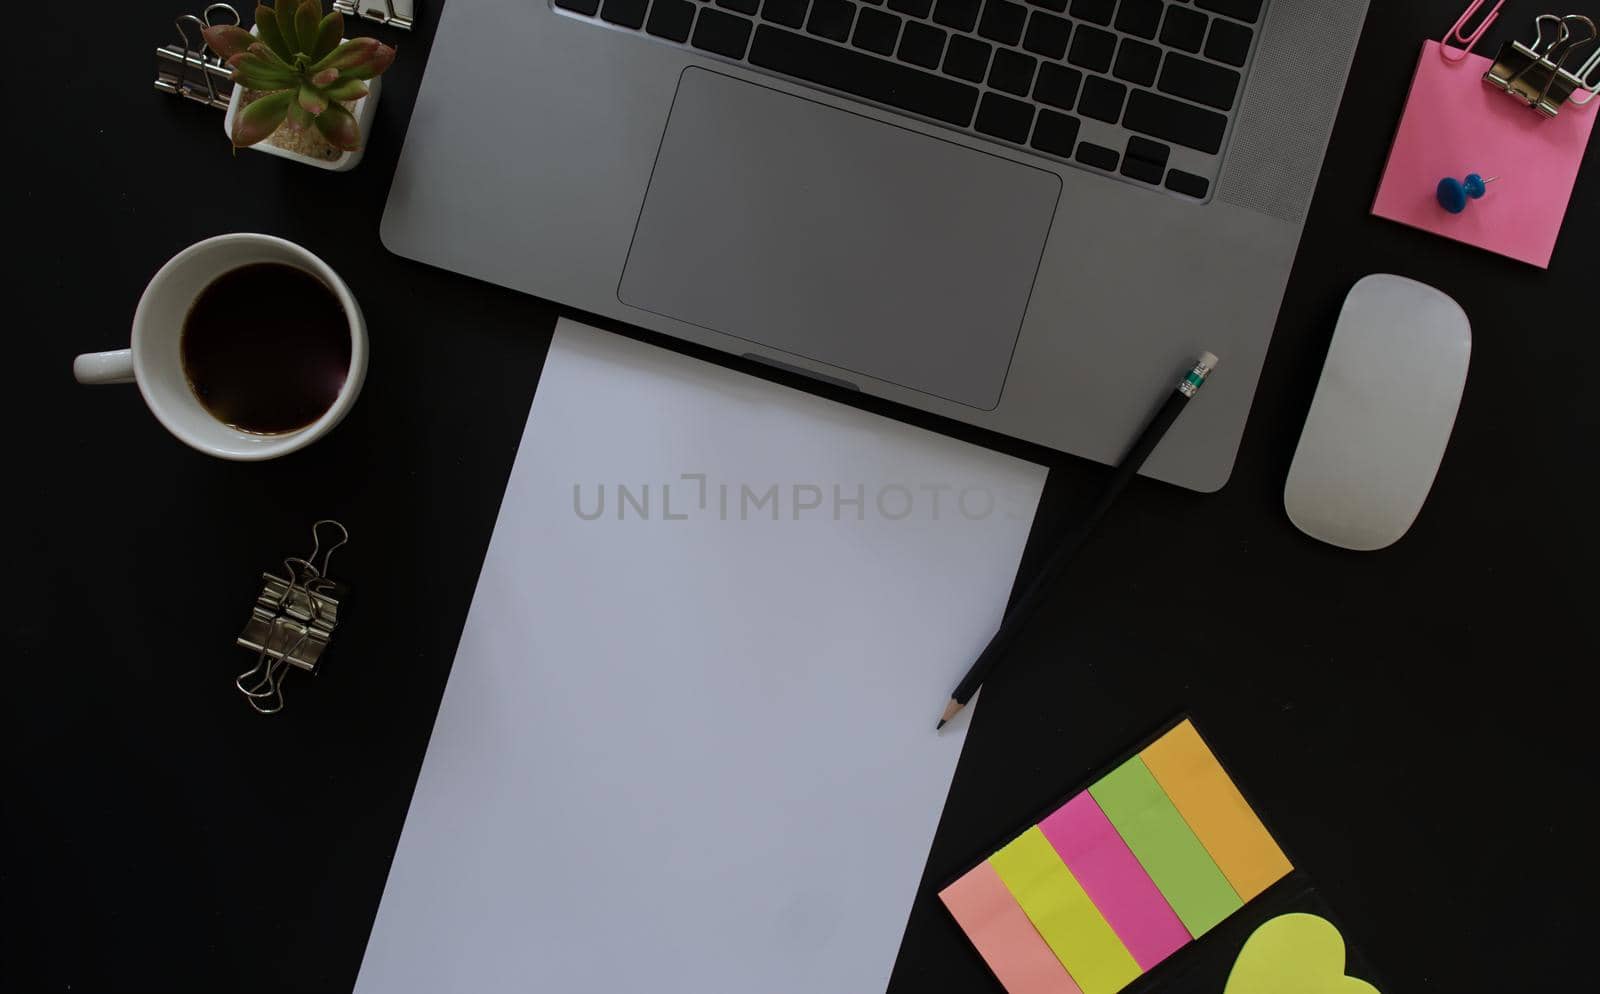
(1215, 811)
(1067, 920)
(1294, 952)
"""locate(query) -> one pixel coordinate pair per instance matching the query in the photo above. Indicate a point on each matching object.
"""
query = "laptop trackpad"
(829, 235)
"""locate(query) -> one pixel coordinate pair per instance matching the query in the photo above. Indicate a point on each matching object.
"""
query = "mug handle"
(115, 366)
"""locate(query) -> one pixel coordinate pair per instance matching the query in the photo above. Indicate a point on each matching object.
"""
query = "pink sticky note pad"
(1455, 124)
(1111, 875)
(1005, 938)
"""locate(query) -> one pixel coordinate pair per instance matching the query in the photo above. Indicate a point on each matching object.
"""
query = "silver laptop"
(1029, 217)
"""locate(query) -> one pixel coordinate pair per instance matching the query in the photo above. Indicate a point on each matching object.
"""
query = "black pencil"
(1017, 618)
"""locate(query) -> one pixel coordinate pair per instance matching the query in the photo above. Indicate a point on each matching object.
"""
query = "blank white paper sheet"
(688, 741)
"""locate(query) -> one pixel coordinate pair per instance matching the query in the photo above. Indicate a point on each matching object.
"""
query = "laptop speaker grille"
(1295, 87)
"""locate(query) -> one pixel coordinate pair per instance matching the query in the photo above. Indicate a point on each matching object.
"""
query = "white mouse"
(1382, 415)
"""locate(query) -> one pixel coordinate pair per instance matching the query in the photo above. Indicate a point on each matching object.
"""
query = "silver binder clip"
(292, 621)
(395, 13)
(188, 69)
(1537, 75)
(1589, 76)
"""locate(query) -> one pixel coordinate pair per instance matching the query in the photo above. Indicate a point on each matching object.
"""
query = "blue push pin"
(1455, 194)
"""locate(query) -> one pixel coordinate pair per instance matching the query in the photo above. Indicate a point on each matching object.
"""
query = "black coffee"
(266, 348)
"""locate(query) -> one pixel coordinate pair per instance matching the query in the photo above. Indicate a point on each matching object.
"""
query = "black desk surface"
(1405, 720)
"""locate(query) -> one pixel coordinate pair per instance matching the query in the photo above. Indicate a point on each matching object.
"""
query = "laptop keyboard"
(1143, 89)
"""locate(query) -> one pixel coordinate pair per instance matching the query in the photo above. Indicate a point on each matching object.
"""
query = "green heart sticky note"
(1294, 954)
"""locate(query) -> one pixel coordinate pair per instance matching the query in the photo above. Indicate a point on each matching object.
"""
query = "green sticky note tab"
(1064, 915)
(1168, 850)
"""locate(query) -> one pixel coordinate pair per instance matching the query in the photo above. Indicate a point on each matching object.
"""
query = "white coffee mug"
(154, 359)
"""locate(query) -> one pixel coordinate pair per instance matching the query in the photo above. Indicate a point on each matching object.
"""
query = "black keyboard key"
(876, 32)
(1092, 49)
(628, 13)
(1145, 160)
(1229, 42)
(1144, 148)
(721, 33)
(1180, 123)
(670, 19)
(921, 44)
(967, 58)
(1098, 156)
(1137, 62)
(1005, 118)
(1139, 17)
(742, 6)
(1058, 6)
(579, 6)
(1184, 28)
(1244, 10)
(1055, 133)
(1188, 184)
(958, 14)
(831, 18)
(1057, 86)
(866, 76)
(1047, 35)
(1002, 21)
(1102, 99)
(788, 12)
(1012, 72)
(1098, 11)
(911, 8)
(1201, 82)
(1144, 172)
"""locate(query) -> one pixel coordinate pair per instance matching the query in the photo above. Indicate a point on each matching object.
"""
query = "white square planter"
(364, 110)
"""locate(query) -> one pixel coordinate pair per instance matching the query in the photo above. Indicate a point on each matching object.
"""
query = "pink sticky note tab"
(1004, 936)
(1455, 124)
(1111, 875)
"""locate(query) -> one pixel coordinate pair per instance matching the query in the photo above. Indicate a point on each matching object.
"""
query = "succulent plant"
(303, 69)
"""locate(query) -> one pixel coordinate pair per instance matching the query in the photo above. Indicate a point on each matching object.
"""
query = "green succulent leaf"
(339, 127)
(306, 19)
(267, 55)
(358, 58)
(284, 13)
(382, 58)
(228, 40)
(256, 73)
(347, 89)
(313, 101)
(326, 77)
(267, 28)
(298, 118)
(345, 54)
(261, 118)
(329, 33)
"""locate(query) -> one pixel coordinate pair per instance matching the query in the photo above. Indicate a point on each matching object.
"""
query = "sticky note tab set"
(1148, 859)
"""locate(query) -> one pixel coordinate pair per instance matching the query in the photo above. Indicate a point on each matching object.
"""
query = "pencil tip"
(950, 711)
(939, 725)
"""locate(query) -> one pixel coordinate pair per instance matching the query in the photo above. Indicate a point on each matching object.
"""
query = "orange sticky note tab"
(1215, 811)
(1004, 936)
